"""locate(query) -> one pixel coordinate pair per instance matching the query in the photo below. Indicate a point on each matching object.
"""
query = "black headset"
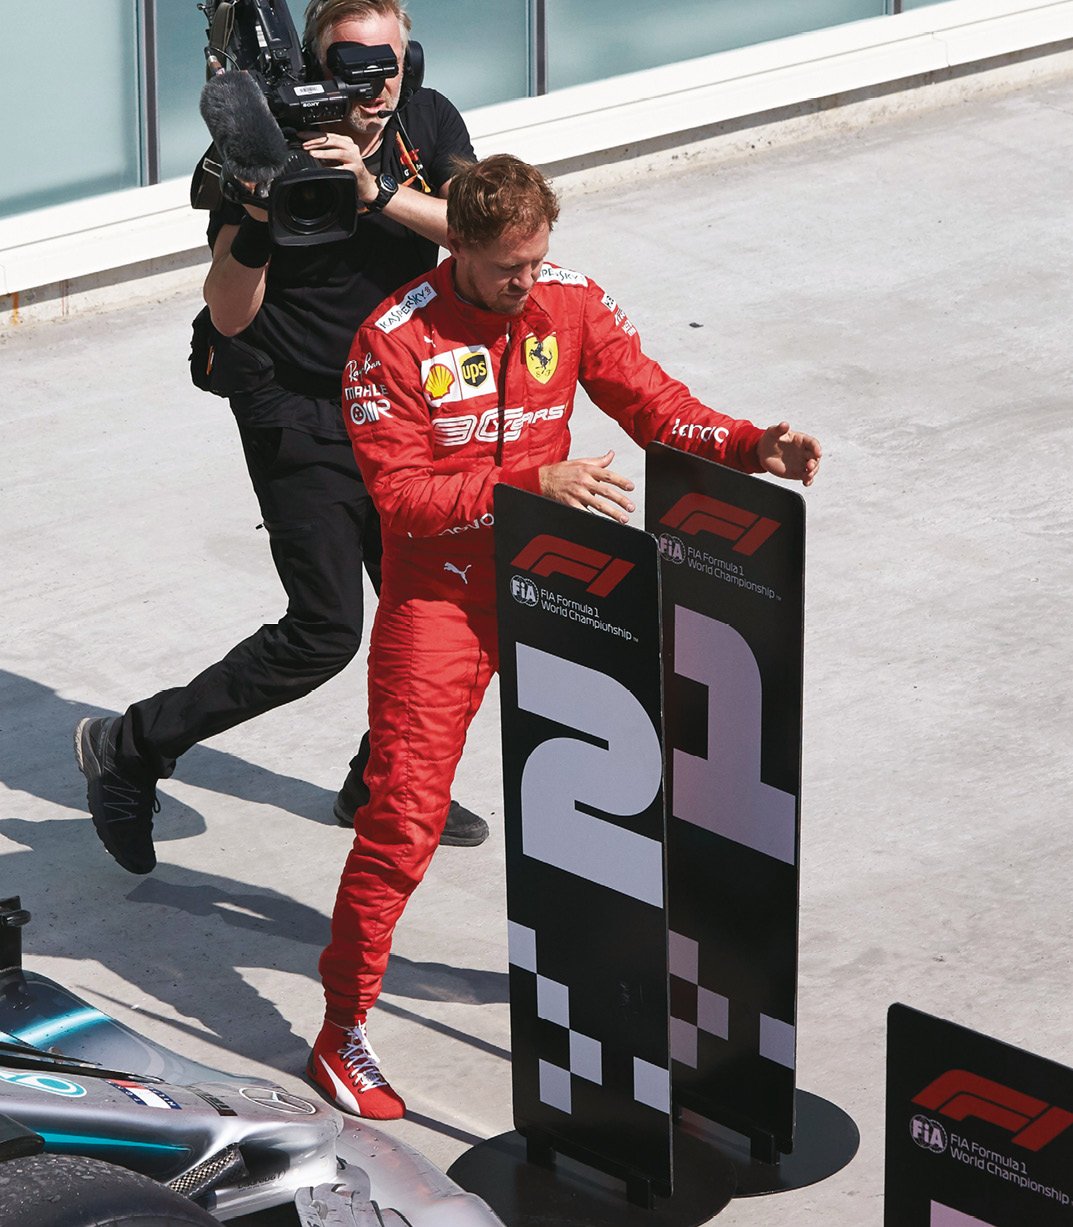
(413, 63)
(413, 71)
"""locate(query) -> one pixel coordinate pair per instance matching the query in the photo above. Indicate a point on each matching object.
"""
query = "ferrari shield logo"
(542, 357)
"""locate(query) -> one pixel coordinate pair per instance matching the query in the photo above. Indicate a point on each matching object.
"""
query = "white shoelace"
(359, 1058)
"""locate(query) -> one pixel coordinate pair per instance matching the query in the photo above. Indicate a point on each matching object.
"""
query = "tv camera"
(263, 88)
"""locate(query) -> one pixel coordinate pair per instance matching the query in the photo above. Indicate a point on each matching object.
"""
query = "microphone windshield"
(251, 145)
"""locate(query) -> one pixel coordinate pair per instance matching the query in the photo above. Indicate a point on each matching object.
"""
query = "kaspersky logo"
(547, 555)
(697, 513)
(960, 1095)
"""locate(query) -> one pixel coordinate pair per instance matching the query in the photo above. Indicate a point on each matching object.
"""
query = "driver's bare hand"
(590, 485)
(789, 453)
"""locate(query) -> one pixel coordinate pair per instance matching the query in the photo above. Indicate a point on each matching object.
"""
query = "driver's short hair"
(321, 15)
(497, 195)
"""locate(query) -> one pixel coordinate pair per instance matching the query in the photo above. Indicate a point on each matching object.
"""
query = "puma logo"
(450, 566)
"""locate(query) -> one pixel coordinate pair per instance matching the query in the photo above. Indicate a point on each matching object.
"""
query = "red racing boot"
(344, 1065)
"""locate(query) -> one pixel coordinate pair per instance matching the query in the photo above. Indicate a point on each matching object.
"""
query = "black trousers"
(322, 527)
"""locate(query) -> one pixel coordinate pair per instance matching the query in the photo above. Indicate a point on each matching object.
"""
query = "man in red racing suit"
(459, 381)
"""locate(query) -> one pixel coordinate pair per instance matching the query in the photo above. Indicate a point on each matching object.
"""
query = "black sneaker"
(463, 828)
(355, 792)
(122, 806)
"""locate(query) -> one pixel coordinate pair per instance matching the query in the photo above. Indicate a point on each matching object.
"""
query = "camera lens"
(311, 207)
(310, 203)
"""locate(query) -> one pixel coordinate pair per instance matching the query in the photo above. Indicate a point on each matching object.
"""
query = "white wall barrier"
(120, 229)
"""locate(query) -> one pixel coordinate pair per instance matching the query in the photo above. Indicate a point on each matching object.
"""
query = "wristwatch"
(388, 187)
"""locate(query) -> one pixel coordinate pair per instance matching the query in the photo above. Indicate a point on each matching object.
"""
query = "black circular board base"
(825, 1140)
(526, 1195)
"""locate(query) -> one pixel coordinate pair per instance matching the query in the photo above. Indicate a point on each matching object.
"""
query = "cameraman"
(293, 312)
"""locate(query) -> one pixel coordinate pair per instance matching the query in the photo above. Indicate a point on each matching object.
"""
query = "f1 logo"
(959, 1095)
(697, 513)
(548, 555)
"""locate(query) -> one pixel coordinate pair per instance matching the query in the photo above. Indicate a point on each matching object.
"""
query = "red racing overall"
(443, 400)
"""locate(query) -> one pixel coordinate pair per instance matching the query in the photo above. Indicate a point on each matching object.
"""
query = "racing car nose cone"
(278, 1100)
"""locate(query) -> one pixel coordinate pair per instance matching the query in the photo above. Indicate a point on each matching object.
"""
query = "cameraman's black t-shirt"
(316, 297)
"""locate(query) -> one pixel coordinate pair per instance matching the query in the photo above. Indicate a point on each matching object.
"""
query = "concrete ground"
(901, 291)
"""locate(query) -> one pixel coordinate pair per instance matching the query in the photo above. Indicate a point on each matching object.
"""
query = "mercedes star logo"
(277, 1099)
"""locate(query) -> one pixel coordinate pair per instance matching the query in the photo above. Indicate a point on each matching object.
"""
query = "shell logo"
(438, 381)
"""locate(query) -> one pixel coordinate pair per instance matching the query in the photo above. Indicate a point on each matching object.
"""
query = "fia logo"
(671, 548)
(928, 1134)
(523, 590)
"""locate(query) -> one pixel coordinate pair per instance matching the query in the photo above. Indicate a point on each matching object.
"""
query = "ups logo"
(474, 369)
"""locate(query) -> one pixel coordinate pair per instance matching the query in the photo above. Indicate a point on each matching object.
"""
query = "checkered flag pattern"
(695, 1008)
(651, 1084)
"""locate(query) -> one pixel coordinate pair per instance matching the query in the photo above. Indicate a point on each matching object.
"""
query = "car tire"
(73, 1191)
